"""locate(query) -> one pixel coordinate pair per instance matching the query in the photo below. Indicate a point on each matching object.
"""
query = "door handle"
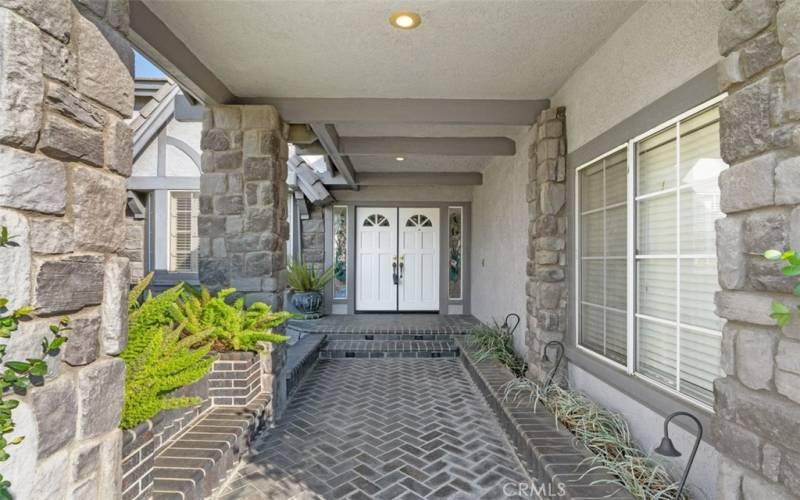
(395, 278)
(402, 265)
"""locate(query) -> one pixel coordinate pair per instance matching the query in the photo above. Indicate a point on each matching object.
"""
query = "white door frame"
(418, 256)
(376, 250)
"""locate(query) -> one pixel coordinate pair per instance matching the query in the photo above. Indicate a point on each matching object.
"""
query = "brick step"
(392, 336)
(379, 348)
(198, 462)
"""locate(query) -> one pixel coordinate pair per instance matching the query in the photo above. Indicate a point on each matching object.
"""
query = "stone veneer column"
(65, 152)
(243, 224)
(547, 231)
(758, 401)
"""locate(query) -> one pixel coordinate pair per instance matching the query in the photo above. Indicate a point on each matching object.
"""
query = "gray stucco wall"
(499, 240)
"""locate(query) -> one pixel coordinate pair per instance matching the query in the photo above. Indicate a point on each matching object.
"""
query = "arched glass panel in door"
(376, 220)
(418, 220)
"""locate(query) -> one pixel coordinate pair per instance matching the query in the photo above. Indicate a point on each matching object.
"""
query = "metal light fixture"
(560, 348)
(400, 158)
(667, 448)
(507, 325)
(405, 20)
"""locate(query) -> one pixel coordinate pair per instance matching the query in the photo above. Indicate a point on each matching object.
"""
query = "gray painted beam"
(442, 146)
(329, 138)
(452, 111)
(155, 40)
(420, 179)
(153, 183)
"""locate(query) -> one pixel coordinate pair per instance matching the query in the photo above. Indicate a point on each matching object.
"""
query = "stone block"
(788, 358)
(729, 71)
(257, 263)
(32, 182)
(51, 235)
(105, 66)
(110, 480)
(85, 460)
(119, 148)
(54, 406)
(736, 442)
(794, 228)
(764, 231)
(224, 160)
(553, 197)
(211, 184)
(550, 243)
(744, 22)
(763, 274)
(15, 273)
(788, 22)
(234, 224)
(788, 384)
(759, 54)
(787, 181)
(100, 410)
(257, 220)
(214, 272)
(227, 117)
(68, 284)
(258, 168)
(260, 117)
(748, 185)
(729, 479)
(767, 414)
(116, 281)
(211, 225)
(744, 306)
(730, 252)
(756, 488)
(771, 461)
(58, 62)
(745, 122)
(83, 342)
(51, 477)
(22, 85)
(98, 207)
(755, 352)
(791, 101)
(235, 183)
(790, 471)
(66, 141)
(728, 351)
(215, 140)
(206, 205)
(229, 204)
(27, 343)
(74, 106)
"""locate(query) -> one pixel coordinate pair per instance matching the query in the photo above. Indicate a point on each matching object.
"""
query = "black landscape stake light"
(560, 348)
(667, 448)
(507, 327)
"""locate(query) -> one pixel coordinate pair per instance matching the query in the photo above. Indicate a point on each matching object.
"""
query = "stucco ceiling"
(419, 163)
(501, 49)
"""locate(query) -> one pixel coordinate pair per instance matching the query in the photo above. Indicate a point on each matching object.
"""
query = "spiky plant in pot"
(307, 284)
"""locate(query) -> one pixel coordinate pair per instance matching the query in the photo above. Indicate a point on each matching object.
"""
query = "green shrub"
(231, 327)
(305, 278)
(782, 313)
(493, 342)
(160, 357)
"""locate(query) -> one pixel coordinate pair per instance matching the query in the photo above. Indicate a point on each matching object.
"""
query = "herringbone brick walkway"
(385, 429)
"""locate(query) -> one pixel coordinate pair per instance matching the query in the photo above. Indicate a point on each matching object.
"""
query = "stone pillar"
(757, 402)
(65, 152)
(243, 224)
(547, 231)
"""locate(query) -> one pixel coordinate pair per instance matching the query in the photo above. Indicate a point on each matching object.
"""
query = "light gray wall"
(627, 87)
(499, 240)
(659, 47)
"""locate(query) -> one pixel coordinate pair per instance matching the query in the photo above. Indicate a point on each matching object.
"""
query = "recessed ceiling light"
(405, 20)
(400, 158)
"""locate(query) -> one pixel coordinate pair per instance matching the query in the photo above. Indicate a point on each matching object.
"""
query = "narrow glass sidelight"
(455, 254)
(339, 252)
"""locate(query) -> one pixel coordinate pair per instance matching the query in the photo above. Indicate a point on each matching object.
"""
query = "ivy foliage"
(18, 375)
(782, 313)
(231, 327)
(160, 357)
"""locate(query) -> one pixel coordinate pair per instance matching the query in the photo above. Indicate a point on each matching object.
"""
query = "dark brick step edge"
(340, 354)
(441, 337)
(196, 464)
(551, 452)
(330, 330)
(302, 368)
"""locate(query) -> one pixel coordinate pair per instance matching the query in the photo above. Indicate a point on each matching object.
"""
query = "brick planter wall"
(235, 379)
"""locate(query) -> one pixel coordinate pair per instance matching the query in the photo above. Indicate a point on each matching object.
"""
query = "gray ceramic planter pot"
(308, 303)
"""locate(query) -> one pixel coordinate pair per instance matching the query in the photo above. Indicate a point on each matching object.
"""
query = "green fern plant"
(304, 277)
(160, 357)
(231, 327)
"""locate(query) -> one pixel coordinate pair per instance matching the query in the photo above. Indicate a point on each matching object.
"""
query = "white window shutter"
(184, 242)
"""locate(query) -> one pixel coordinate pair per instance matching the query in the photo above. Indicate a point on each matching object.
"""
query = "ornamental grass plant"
(494, 342)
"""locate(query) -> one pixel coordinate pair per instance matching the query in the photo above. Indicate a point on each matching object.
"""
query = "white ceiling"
(501, 49)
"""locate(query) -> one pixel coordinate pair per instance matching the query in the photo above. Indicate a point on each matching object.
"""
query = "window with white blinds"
(184, 208)
(669, 320)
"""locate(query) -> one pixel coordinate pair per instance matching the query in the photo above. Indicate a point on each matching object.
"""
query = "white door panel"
(419, 254)
(377, 248)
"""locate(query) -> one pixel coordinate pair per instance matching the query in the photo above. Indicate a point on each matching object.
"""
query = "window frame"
(630, 367)
(170, 201)
(347, 285)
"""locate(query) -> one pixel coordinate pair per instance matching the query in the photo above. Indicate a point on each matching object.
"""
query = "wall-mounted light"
(400, 158)
(405, 20)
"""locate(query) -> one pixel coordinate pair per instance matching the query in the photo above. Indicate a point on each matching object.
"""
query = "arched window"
(419, 220)
(376, 220)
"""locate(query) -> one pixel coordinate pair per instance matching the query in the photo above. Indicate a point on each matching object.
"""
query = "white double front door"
(397, 259)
